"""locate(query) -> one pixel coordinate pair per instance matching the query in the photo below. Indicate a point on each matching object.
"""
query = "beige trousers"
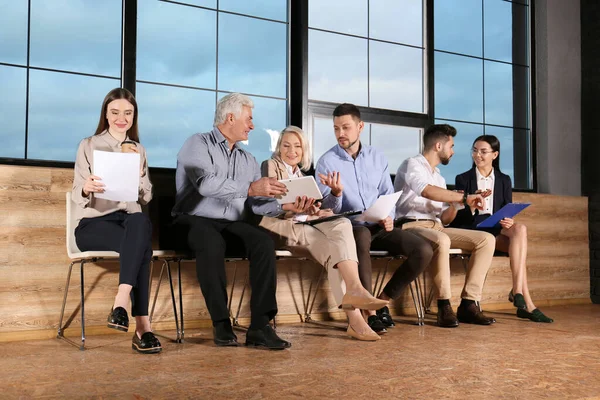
(480, 244)
(328, 243)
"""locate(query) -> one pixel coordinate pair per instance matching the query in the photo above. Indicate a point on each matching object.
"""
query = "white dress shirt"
(484, 183)
(413, 176)
(290, 171)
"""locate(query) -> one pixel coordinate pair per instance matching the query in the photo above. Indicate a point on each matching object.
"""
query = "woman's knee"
(139, 221)
(520, 230)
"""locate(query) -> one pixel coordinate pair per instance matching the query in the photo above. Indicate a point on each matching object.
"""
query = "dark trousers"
(211, 240)
(131, 236)
(418, 253)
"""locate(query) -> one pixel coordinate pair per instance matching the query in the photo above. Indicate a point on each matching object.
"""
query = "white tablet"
(305, 186)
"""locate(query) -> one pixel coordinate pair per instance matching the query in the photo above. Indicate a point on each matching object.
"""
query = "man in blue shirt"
(217, 182)
(355, 175)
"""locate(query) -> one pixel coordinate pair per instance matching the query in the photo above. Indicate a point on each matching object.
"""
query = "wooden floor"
(513, 359)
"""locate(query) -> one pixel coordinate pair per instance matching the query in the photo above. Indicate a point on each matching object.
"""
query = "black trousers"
(131, 236)
(418, 253)
(211, 240)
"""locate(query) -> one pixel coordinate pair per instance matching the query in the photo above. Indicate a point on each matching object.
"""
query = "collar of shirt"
(480, 176)
(290, 170)
(219, 138)
(113, 142)
(435, 171)
(344, 154)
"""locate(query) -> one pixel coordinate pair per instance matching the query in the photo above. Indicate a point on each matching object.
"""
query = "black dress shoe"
(148, 344)
(446, 317)
(471, 314)
(118, 319)
(223, 334)
(385, 317)
(266, 337)
(376, 324)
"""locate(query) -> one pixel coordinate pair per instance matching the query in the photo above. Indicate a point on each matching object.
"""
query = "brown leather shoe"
(446, 317)
(472, 315)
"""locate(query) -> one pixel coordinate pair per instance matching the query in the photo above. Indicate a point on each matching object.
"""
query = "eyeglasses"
(482, 152)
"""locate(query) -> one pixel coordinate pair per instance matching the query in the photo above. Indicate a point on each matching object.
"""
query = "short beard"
(445, 160)
(349, 145)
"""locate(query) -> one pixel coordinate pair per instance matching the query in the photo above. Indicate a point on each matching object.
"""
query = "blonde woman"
(330, 243)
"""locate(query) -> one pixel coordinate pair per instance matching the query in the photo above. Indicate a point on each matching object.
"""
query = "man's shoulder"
(413, 162)
(374, 153)
(197, 138)
(329, 156)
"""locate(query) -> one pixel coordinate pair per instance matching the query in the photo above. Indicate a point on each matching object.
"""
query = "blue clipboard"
(508, 211)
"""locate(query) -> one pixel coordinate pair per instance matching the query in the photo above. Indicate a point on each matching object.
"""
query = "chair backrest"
(71, 224)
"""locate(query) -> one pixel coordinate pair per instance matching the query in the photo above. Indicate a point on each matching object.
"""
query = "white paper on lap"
(381, 209)
(120, 173)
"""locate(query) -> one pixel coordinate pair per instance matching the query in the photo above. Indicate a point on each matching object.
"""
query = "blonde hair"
(304, 163)
(231, 104)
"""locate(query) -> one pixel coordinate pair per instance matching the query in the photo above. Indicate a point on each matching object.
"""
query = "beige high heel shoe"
(368, 337)
(350, 302)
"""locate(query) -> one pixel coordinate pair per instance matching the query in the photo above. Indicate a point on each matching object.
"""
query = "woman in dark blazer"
(511, 237)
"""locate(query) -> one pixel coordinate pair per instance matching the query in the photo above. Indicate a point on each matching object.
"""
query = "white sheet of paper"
(120, 172)
(380, 209)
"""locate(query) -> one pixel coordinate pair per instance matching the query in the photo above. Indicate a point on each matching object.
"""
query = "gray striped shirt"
(213, 181)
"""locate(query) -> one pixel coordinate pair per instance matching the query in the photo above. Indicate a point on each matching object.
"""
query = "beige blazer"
(283, 226)
(274, 168)
(91, 207)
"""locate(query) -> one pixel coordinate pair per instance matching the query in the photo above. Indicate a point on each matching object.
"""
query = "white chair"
(84, 257)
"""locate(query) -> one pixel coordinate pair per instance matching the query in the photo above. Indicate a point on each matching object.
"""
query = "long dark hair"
(494, 144)
(117, 94)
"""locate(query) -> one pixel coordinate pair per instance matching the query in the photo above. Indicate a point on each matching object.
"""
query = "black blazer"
(467, 181)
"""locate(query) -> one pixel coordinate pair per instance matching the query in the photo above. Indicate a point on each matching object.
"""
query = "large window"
(406, 63)
(190, 55)
(370, 53)
(55, 78)
(482, 80)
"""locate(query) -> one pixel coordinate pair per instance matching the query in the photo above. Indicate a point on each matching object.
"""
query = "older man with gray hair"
(217, 183)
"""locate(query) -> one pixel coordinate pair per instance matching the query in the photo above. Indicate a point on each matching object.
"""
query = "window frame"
(300, 110)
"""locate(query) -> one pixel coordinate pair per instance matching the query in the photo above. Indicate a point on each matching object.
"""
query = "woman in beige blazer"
(120, 226)
(330, 243)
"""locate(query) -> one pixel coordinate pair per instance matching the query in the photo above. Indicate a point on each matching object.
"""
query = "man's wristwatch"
(464, 200)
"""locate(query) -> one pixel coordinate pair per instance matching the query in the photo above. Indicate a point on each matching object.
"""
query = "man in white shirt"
(426, 207)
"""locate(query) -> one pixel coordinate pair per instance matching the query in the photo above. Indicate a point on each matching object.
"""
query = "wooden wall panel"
(33, 264)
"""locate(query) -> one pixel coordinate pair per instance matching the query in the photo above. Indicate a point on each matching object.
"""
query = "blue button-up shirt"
(212, 181)
(365, 178)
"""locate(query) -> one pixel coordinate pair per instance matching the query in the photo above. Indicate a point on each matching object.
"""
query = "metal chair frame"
(86, 257)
